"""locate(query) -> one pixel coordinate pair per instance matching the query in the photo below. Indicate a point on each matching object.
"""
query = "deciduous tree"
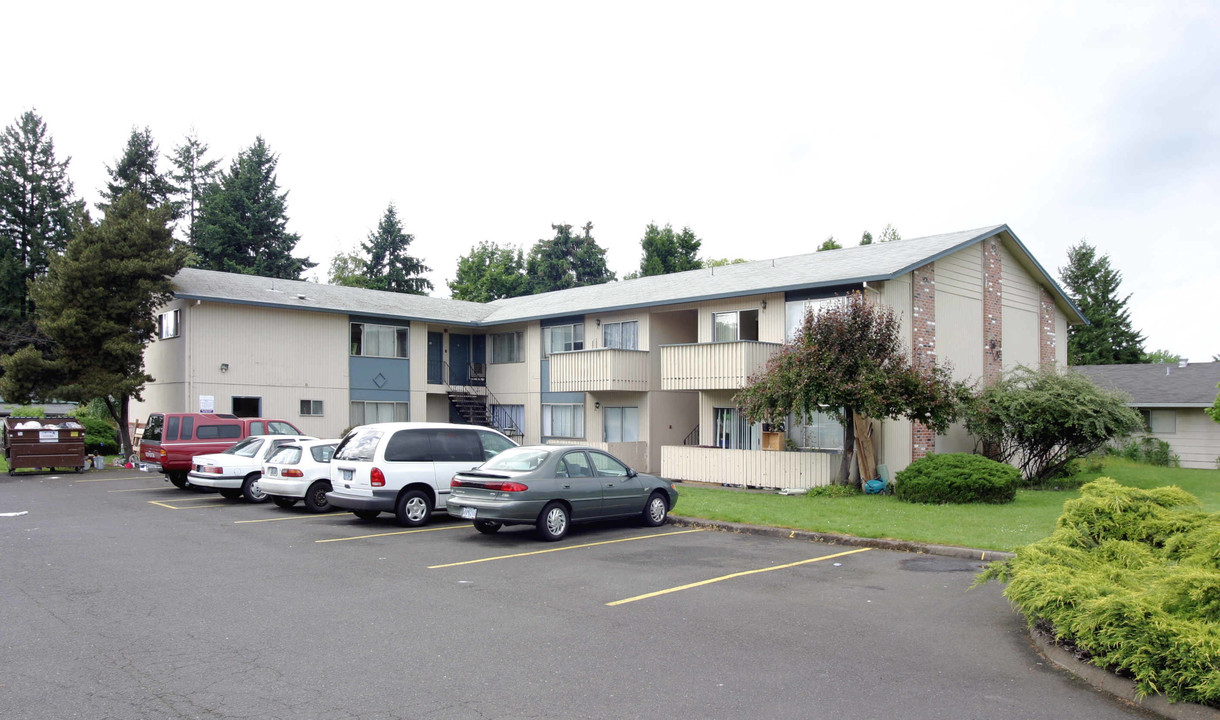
(349, 269)
(1108, 338)
(847, 359)
(490, 272)
(388, 266)
(567, 261)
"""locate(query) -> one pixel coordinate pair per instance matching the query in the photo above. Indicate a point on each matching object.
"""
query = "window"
(286, 456)
(322, 453)
(508, 419)
(167, 325)
(247, 406)
(608, 466)
(794, 313)
(575, 465)
(311, 407)
(367, 413)
(563, 421)
(818, 432)
(379, 340)
(277, 427)
(359, 445)
(621, 424)
(735, 325)
(1160, 422)
(218, 432)
(152, 431)
(507, 347)
(493, 444)
(257, 428)
(734, 431)
(171, 429)
(563, 338)
(622, 335)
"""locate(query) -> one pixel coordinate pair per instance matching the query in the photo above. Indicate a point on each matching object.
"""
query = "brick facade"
(923, 345)
(1046, 331)
(993, 311)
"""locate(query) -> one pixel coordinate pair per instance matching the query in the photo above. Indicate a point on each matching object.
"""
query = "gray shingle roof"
(879, 261)
(1159, 384)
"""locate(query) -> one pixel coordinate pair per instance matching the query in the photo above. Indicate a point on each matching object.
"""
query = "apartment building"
(644, 368)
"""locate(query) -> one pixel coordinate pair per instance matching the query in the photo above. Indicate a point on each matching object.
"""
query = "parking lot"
(125, 597)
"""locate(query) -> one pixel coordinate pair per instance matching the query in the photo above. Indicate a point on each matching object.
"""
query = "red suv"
(171, 439)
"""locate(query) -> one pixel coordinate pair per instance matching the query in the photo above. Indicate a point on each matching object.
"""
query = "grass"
(1029, 518)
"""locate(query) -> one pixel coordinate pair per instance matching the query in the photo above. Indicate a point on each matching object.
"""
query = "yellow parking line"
(187, 507)
(558, 549)
(106, 479)
(734, 575)
(163, 487)
(400, 532)
(292, 517)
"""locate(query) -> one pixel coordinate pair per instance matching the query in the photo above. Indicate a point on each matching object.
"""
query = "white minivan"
(405, 467)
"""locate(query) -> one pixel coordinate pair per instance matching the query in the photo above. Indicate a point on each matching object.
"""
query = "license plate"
(468, 513)
(272, 472)
(347, 474)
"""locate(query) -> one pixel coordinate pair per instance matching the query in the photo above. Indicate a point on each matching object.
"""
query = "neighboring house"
(1171, 398)
(645, 368)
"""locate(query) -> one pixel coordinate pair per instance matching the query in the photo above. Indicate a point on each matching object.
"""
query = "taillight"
(213, 470)
(290, 472)
(454, 482)
(377, 478)
(508, 487)
(162, 453)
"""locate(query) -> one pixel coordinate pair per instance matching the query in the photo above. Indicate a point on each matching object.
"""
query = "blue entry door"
(459, 359)
(436, 358)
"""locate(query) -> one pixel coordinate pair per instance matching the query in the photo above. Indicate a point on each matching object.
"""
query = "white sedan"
(300, 471)
(235, 472)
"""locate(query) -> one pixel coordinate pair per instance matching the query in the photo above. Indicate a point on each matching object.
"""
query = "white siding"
(1196, 439)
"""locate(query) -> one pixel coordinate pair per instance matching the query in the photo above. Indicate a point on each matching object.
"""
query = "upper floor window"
(622, 335)
(735, 325)
(794, 313)
(563, 338)
(379, 340)
(507, 347)
(167, 324)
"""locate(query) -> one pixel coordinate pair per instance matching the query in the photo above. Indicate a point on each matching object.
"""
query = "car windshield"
(518, 459)
(246, 448)
(290, 455)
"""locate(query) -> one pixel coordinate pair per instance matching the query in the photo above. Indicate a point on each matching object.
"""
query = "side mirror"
(631, 473)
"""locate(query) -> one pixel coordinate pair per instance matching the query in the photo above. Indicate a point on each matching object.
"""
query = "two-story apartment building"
(646, 368)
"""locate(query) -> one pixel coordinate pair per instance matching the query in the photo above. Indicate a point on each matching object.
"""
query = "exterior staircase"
(472, 402)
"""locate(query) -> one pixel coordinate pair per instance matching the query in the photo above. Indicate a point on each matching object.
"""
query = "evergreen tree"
(192, 176)
(866, 238)
(37, 216)
(1108, 338)
(567, 261)
(829, 244)
(97, 302)
(389, 267)
(490, 272)
(668, 252)
(243, 221)
(136, 170)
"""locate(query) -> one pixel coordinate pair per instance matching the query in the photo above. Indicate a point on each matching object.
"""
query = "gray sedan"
(551, 487)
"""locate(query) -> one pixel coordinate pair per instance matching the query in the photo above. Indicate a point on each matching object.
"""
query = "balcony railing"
(713, 366)
(603, 369)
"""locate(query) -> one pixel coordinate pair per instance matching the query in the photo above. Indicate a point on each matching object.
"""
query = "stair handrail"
(510, 428)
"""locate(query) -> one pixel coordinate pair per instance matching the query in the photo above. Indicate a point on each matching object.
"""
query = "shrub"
(30, 411)
(833, 491)
(957, 478)
(1149, 450)
(1132, 577)
(99, 433)
(1042, 419)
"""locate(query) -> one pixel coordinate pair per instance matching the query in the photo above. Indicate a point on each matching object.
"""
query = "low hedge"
(1132, 578)
(957, 478)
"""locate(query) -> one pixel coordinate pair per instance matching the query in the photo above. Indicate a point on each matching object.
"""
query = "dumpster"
(44, 443)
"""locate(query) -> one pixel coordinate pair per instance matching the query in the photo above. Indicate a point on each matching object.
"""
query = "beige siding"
(1021, 299)
(713, 366)
(1196, 439)
(894, 441)
(600, 369)
(1061, 338)
(1020, 290)
(770, 319)
(961, 273)
(759, 468)
(593, 330)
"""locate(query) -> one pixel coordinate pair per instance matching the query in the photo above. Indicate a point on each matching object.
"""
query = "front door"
(580, 485)
(621, 494)
(459, 359)
(436, 358)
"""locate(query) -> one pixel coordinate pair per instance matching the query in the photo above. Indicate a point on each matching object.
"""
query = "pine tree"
(136, 170)
(668, 252)
(1108, 338)
(243, 221)
(490, 272)
(98, 298)
(567, 261)
(866, 238)
(192, 176)
(37, 214)
(389, 267)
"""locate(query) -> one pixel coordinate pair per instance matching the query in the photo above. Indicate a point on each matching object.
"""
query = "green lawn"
(989, 527)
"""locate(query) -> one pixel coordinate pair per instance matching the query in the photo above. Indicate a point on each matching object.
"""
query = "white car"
(300, 471)
(235, 472)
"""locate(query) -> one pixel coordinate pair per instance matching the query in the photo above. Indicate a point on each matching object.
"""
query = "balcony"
(713, 366)
(603, 369)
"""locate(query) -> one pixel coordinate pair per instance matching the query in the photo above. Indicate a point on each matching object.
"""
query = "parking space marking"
(213, 504)
(163, 487)
(733, 575)
(292, 517)
(400, 532)
(559, 549)
(105, 479)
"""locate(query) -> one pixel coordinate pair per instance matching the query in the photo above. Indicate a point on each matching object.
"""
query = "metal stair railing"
(468, 392)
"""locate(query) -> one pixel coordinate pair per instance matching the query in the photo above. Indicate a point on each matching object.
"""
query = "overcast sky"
(765, 127)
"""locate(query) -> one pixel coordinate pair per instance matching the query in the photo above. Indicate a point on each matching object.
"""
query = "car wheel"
(231, 493)
(284, 502)
(315, 497)
(553, 522)
(251, 491)
(413, 509)
(487, 527)
(656, 511)
(366, 514)
(178, 478)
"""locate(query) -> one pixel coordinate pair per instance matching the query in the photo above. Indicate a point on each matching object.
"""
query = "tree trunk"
(120, 416)
(849, 446)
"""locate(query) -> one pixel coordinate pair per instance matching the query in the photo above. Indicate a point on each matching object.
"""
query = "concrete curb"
(1120, 687)
(837, 539)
